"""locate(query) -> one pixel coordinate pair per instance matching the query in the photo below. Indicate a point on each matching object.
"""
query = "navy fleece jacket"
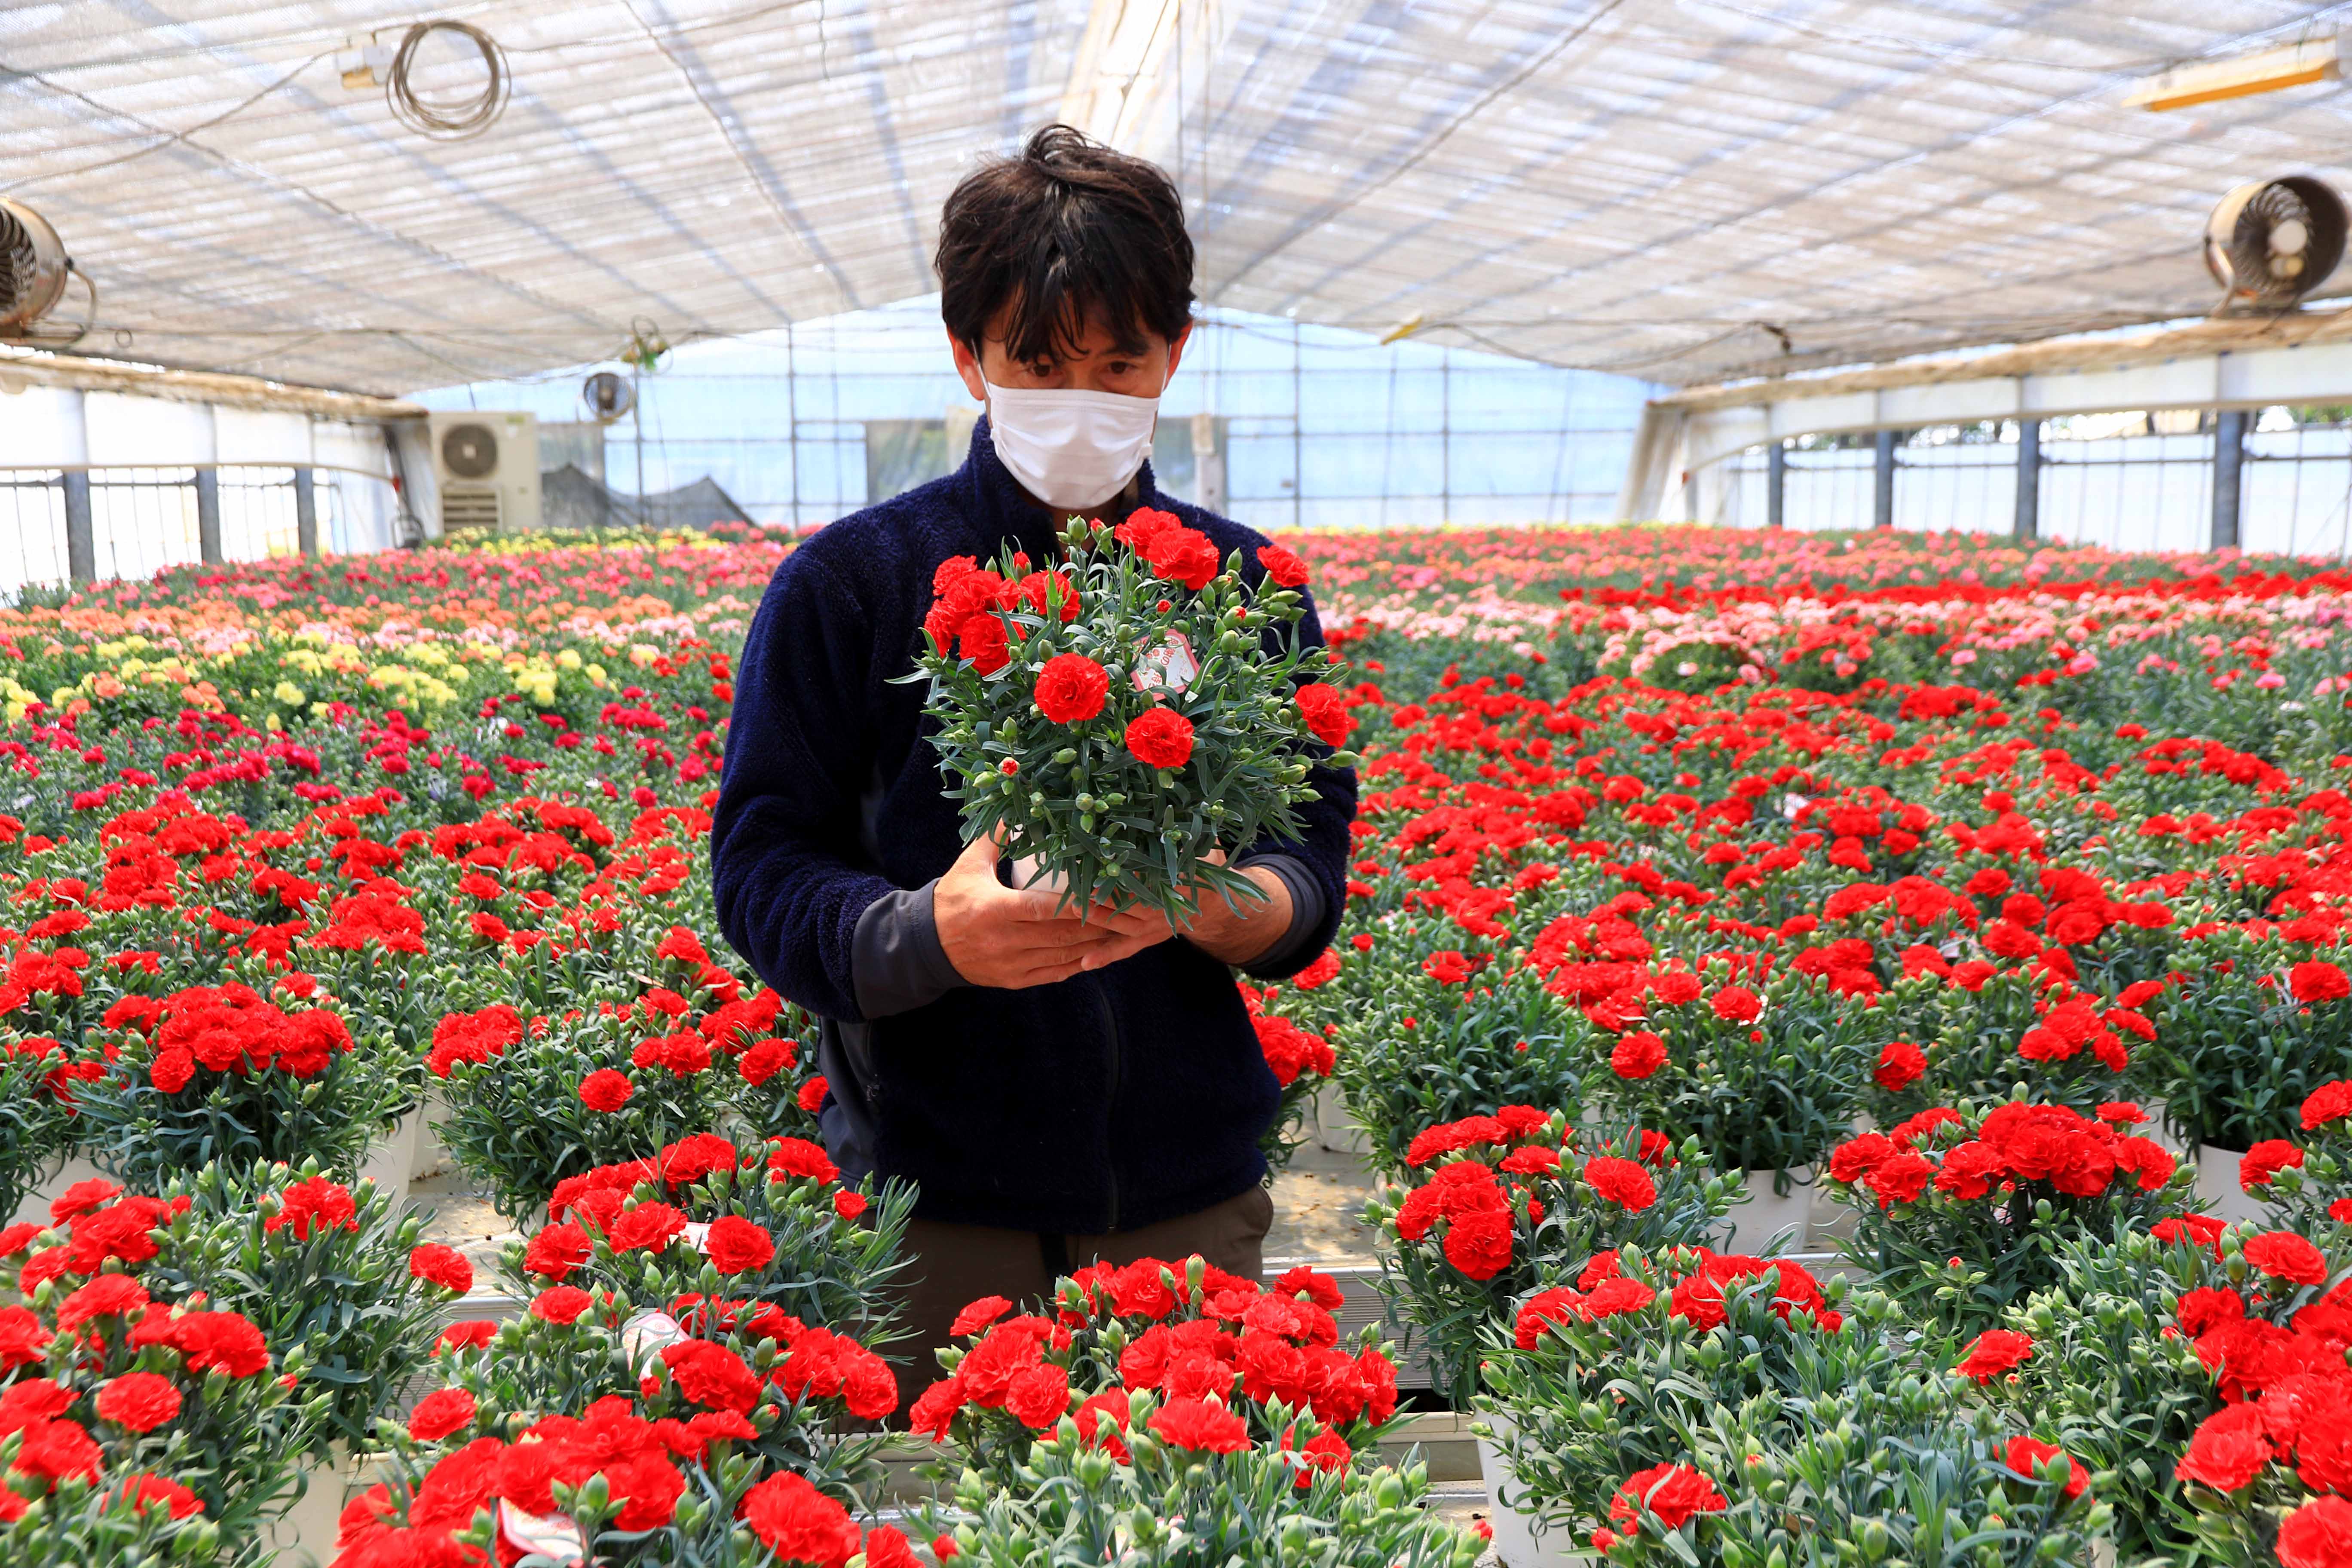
(1108, 1101)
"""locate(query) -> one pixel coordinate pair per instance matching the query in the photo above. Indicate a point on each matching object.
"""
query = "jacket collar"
(1001, 510)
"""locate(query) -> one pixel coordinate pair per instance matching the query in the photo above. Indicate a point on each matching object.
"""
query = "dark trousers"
(954, 1264)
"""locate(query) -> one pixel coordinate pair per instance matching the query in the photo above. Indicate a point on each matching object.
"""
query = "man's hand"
(1234, 938)
(1013, 938)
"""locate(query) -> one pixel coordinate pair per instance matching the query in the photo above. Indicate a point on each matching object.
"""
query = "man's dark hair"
(1068, 230)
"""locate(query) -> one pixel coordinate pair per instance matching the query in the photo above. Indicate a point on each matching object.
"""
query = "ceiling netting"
(1680, 190)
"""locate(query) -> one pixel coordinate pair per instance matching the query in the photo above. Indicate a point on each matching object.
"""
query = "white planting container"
(1521, 1540)
(1766, 1216)
(65, 1174)
(2218, 1188)
(390, 1159)
(1327, 1117)
(304, 1535)
(432, 1155)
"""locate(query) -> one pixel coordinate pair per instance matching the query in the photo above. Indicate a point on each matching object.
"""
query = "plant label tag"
(549, 1535)
(696, 1236)
(1167, 668)
(647, 1333)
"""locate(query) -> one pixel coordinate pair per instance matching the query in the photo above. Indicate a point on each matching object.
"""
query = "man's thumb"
(980, 856)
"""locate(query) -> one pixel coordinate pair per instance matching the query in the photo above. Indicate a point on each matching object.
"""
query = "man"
(1061, 1085)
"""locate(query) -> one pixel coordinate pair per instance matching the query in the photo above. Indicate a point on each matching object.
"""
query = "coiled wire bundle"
(440, 119)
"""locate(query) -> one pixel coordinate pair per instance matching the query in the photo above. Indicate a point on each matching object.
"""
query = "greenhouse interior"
(1175, 784)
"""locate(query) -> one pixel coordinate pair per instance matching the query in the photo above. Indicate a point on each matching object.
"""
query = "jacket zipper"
(1110, 1101)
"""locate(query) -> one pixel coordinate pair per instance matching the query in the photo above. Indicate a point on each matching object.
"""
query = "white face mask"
(1073, 450)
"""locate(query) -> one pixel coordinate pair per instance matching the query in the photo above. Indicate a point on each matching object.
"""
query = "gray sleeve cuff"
(1306, 916)
(895, 961)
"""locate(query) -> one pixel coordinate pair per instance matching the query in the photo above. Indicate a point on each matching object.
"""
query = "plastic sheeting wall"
(141, 454)
(1320, 427)
(2133, 492)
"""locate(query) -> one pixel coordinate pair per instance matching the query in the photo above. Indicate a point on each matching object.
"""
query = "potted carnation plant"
(2243, 1041)
(1767, 1076)
(1122, 721)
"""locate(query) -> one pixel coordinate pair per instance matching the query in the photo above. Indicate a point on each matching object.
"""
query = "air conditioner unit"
(489, 467)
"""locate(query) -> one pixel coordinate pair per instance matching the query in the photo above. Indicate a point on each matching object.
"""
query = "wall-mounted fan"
(2272, 242)
(608, 395)
(33, 272)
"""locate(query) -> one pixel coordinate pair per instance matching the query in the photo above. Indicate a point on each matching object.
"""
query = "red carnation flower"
(443, 1266)
(471, 1334)
(139, 1400)
(1479, 1243)
(2328, 1102)
(1201, 1425)
(2283, 1255)
(1160, 738)
(172, 1069)
(709, 1373)
(1737, 1005)
(1038, 1396)
(560, 1303)
(440, 1412)
(736, 1246)
(1995, 1351)
(2025, 1456)
(2265, 1160)
(144, 1491)
(1621, 1182)
(1071, 689)
(981, 639)
(978, 1315)
(1324, 712)
(888, 1548)
(935, 1408)
(605, 1091)
(1900, 1065)
(1285, 570)
(2318, 982)
(1637, 1055)
(2228, 1451)
(2317, 1535)
(1671, 1492)
(1182, 554)
(798, 1523)
(799, 1157)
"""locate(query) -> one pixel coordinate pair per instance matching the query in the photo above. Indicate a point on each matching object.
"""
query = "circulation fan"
(2272, 242)
(33, 272)
(607, 395)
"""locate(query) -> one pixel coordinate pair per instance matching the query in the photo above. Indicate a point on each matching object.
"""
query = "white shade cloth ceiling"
(1680, 190)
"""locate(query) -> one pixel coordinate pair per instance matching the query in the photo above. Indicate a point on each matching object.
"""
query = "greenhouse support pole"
(209, 532)
(1446, 439)
(1881, 506)
(2229, 465)
(82, 541)
(306, 510)
(1776, 485)
(2028, 479)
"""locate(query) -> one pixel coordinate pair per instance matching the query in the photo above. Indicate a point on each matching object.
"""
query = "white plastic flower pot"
(2218, 1188)
(304, 1535)
(1521, 1540)
(65, 1173)
(391, 1158)
(432, 1156)
(1333, 1128)
(1767, 1217)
